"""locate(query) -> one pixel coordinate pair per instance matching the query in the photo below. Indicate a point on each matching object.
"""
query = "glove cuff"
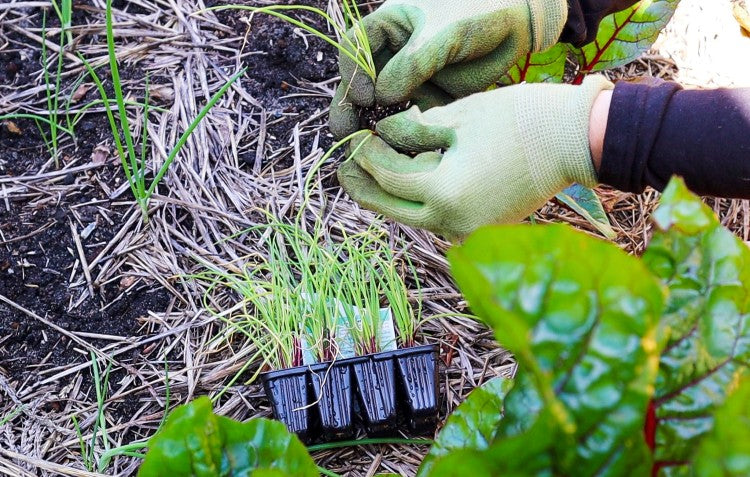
(554, 123)
(547, 21)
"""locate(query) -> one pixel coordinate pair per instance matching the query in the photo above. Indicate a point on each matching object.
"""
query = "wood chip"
(12, 127)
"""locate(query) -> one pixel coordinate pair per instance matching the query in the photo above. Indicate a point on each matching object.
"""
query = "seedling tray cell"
(288, 392)
(332, 388)
(376, 389)
(419, 378)
(381, 391)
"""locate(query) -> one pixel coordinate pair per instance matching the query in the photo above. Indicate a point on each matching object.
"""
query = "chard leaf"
(543, 67)
(705, 326)
(473, 424)
(586, 203)
(725, 452)
(196, 442)
(581, 317)
(524, 455)
(624, 36)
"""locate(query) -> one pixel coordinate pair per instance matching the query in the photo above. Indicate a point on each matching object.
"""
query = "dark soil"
(279, 59)
(37, 255)
(37, 251)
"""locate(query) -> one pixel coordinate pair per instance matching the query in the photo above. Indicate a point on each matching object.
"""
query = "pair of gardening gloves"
(462, 156)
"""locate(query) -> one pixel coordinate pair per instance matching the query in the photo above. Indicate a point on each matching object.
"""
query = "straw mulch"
(250, 154)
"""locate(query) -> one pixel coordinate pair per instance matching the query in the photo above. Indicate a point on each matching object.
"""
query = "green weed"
(133, 163)
(356, 45)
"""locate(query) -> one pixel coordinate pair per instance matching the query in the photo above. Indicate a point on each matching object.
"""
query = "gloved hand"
(506, 152)
(438, 50)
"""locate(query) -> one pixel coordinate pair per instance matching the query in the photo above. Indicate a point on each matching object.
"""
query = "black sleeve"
(584, 17)
(656, 129)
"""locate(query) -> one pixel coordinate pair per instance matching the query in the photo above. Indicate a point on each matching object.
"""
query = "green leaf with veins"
(524, 455)
(625, 35)
(725, 452)
(586, 203)
(472, 425)
(543, 67)
(196, 442)
(581, 317)
(707, 270)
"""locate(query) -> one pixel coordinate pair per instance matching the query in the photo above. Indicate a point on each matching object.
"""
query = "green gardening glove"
(506, 152)
(432, 51)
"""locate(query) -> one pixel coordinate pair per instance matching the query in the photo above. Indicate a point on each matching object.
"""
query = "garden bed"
(119, 291)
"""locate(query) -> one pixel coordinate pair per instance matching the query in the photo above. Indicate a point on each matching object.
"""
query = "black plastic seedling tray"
(379, 392)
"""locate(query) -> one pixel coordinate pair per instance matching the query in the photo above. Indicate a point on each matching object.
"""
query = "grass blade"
(183, 139)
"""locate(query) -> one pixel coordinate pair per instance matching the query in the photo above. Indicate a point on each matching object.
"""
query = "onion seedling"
(360, 291)
(351, 39)
(405, 317)
(133, 163)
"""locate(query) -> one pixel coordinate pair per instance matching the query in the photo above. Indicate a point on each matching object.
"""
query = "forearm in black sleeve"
(584, 17)
(657, 129)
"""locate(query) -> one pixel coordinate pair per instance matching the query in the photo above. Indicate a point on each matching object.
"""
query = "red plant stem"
(525, 70)
(649, 430)
(297, 353)
(587, 67)
(650, 427)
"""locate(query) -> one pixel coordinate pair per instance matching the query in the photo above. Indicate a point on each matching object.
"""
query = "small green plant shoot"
(627, 366)
(134, 163)
(350, 39)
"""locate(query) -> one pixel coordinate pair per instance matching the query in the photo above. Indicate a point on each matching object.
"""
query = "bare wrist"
(598, 126)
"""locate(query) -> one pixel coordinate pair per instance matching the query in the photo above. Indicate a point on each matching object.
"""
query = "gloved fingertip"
(361, 90)
(388, 94)
(360, 186)
(403, 75)
(343, 117)
(411, 131)
(358, 143)
(348, 173)
(429, 96)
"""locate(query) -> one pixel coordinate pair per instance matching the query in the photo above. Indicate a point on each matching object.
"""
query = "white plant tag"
(344, 339)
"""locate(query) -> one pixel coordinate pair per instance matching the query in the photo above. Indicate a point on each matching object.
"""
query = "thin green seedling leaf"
(64, 12)
(46, 141)
(34, 117)
(307, 192)
(98, 102)
(65, 20)
(100, 388)
(79, 113)
(353, 21)
(327, 472)
(141, 171)
(167, 393)
(362, 57)
(69, 101)
(185, 135)
(122, 113)
(11, 415)
(128, 450)
(113, 126)
(82, 444)
(51, 103)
